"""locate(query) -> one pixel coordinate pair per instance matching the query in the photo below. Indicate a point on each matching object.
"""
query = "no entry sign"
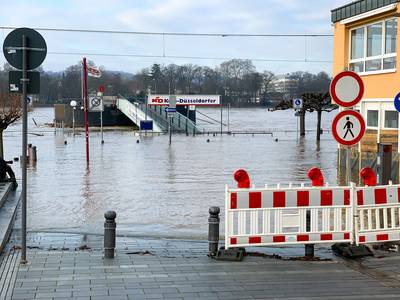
(348, 127)
(347, 89)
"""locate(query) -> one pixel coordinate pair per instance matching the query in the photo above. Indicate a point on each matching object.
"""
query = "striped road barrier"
(277, 216)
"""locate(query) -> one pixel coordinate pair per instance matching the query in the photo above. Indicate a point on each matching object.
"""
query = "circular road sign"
(347, 89)
(348, 127)
(13, 44)
(397, 102)
(96, 102)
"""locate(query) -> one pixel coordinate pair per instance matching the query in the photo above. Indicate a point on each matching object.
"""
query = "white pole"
(229, 107)
(348, 165)
(73, 121)
(169, 129)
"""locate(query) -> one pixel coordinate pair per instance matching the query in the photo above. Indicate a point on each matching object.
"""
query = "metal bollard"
(34, 154)
(213, 231)
(109, 234)
(309, 249)
(29, 154)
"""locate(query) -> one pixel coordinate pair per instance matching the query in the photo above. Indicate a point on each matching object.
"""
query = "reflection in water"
(157, 189)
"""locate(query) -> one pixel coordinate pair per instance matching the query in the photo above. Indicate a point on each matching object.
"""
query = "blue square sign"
(146, 125)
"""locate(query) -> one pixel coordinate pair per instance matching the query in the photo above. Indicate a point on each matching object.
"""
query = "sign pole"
(101, 126)
(221, 116)
(169, 130)
(24, 145)
(73, 121)
(19, 40)
(85, 95)
(229, 108)
(348, 165)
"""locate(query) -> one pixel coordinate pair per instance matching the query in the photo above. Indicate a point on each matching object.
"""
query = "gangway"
(179, 123)
(136, 114)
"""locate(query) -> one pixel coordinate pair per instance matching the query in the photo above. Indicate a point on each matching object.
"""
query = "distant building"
(285, 85)
(365, 41)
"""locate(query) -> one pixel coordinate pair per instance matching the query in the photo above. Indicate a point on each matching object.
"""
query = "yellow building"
(365, 41)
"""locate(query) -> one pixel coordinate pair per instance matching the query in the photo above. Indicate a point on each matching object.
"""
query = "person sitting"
(6, 169)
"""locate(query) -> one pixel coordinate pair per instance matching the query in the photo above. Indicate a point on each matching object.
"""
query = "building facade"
(366, 38)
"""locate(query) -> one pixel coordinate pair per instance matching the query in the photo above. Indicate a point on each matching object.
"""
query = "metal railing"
(179, 123)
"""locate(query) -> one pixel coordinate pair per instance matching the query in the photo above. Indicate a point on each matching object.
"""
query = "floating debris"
(146, 252)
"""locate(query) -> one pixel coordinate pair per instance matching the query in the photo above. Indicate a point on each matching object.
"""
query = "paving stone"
(180, 270)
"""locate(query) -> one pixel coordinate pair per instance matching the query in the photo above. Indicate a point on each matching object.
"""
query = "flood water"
(155, 189)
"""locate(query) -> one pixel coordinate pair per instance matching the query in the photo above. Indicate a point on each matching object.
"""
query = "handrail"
(178, 123)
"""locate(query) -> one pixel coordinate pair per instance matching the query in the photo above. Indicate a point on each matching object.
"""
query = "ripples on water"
(156, 189)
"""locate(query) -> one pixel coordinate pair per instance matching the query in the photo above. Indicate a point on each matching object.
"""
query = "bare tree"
(10, 112)
(318, 102)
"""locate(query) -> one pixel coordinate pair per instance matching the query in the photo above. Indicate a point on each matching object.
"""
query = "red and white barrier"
(378, 214)
(276, 216)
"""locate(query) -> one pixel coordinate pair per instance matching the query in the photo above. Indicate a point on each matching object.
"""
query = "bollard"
(109, 234)
(213, 231)
(30, 154)
(34, 154)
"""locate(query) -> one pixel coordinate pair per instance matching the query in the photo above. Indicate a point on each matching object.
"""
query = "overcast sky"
(190, 16)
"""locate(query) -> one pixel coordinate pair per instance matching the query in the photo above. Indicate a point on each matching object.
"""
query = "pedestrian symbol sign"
(348, 127)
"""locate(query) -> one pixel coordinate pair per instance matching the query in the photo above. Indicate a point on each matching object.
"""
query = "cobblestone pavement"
(71, 266)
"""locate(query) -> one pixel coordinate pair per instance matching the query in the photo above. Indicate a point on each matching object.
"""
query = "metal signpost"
(297, 106)
(86, 108)
(25, 49)
(348, 127)
(171, 110)
(101, 93)
(96, 105)
(73, 104)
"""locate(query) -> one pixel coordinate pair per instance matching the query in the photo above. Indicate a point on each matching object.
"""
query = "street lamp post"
(73, 104)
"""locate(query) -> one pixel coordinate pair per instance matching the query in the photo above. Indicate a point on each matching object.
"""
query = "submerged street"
(155, 189)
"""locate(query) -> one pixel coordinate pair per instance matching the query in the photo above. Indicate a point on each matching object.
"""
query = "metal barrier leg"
(309, 249)
(109, 234)
(213, 231)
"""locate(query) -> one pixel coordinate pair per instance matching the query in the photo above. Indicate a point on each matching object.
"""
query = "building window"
(373, 47)
(391, 119)
(372, 118)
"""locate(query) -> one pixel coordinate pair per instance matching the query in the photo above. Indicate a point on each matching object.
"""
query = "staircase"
(138, 112)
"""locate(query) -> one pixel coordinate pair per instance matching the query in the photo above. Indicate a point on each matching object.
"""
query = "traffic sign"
(146, 125)
(96, 104)
(347, 89)
(15, 86)
(348, 127)
(298, 103)
(12, 48)
(397, 102)
(170, 109)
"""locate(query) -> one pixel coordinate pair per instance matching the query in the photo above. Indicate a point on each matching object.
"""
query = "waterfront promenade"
(71, 266)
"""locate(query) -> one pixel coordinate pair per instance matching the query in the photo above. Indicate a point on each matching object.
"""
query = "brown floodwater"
(155, 189)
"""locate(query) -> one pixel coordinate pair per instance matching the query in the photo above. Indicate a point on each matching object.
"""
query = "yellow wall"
(376, 86)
